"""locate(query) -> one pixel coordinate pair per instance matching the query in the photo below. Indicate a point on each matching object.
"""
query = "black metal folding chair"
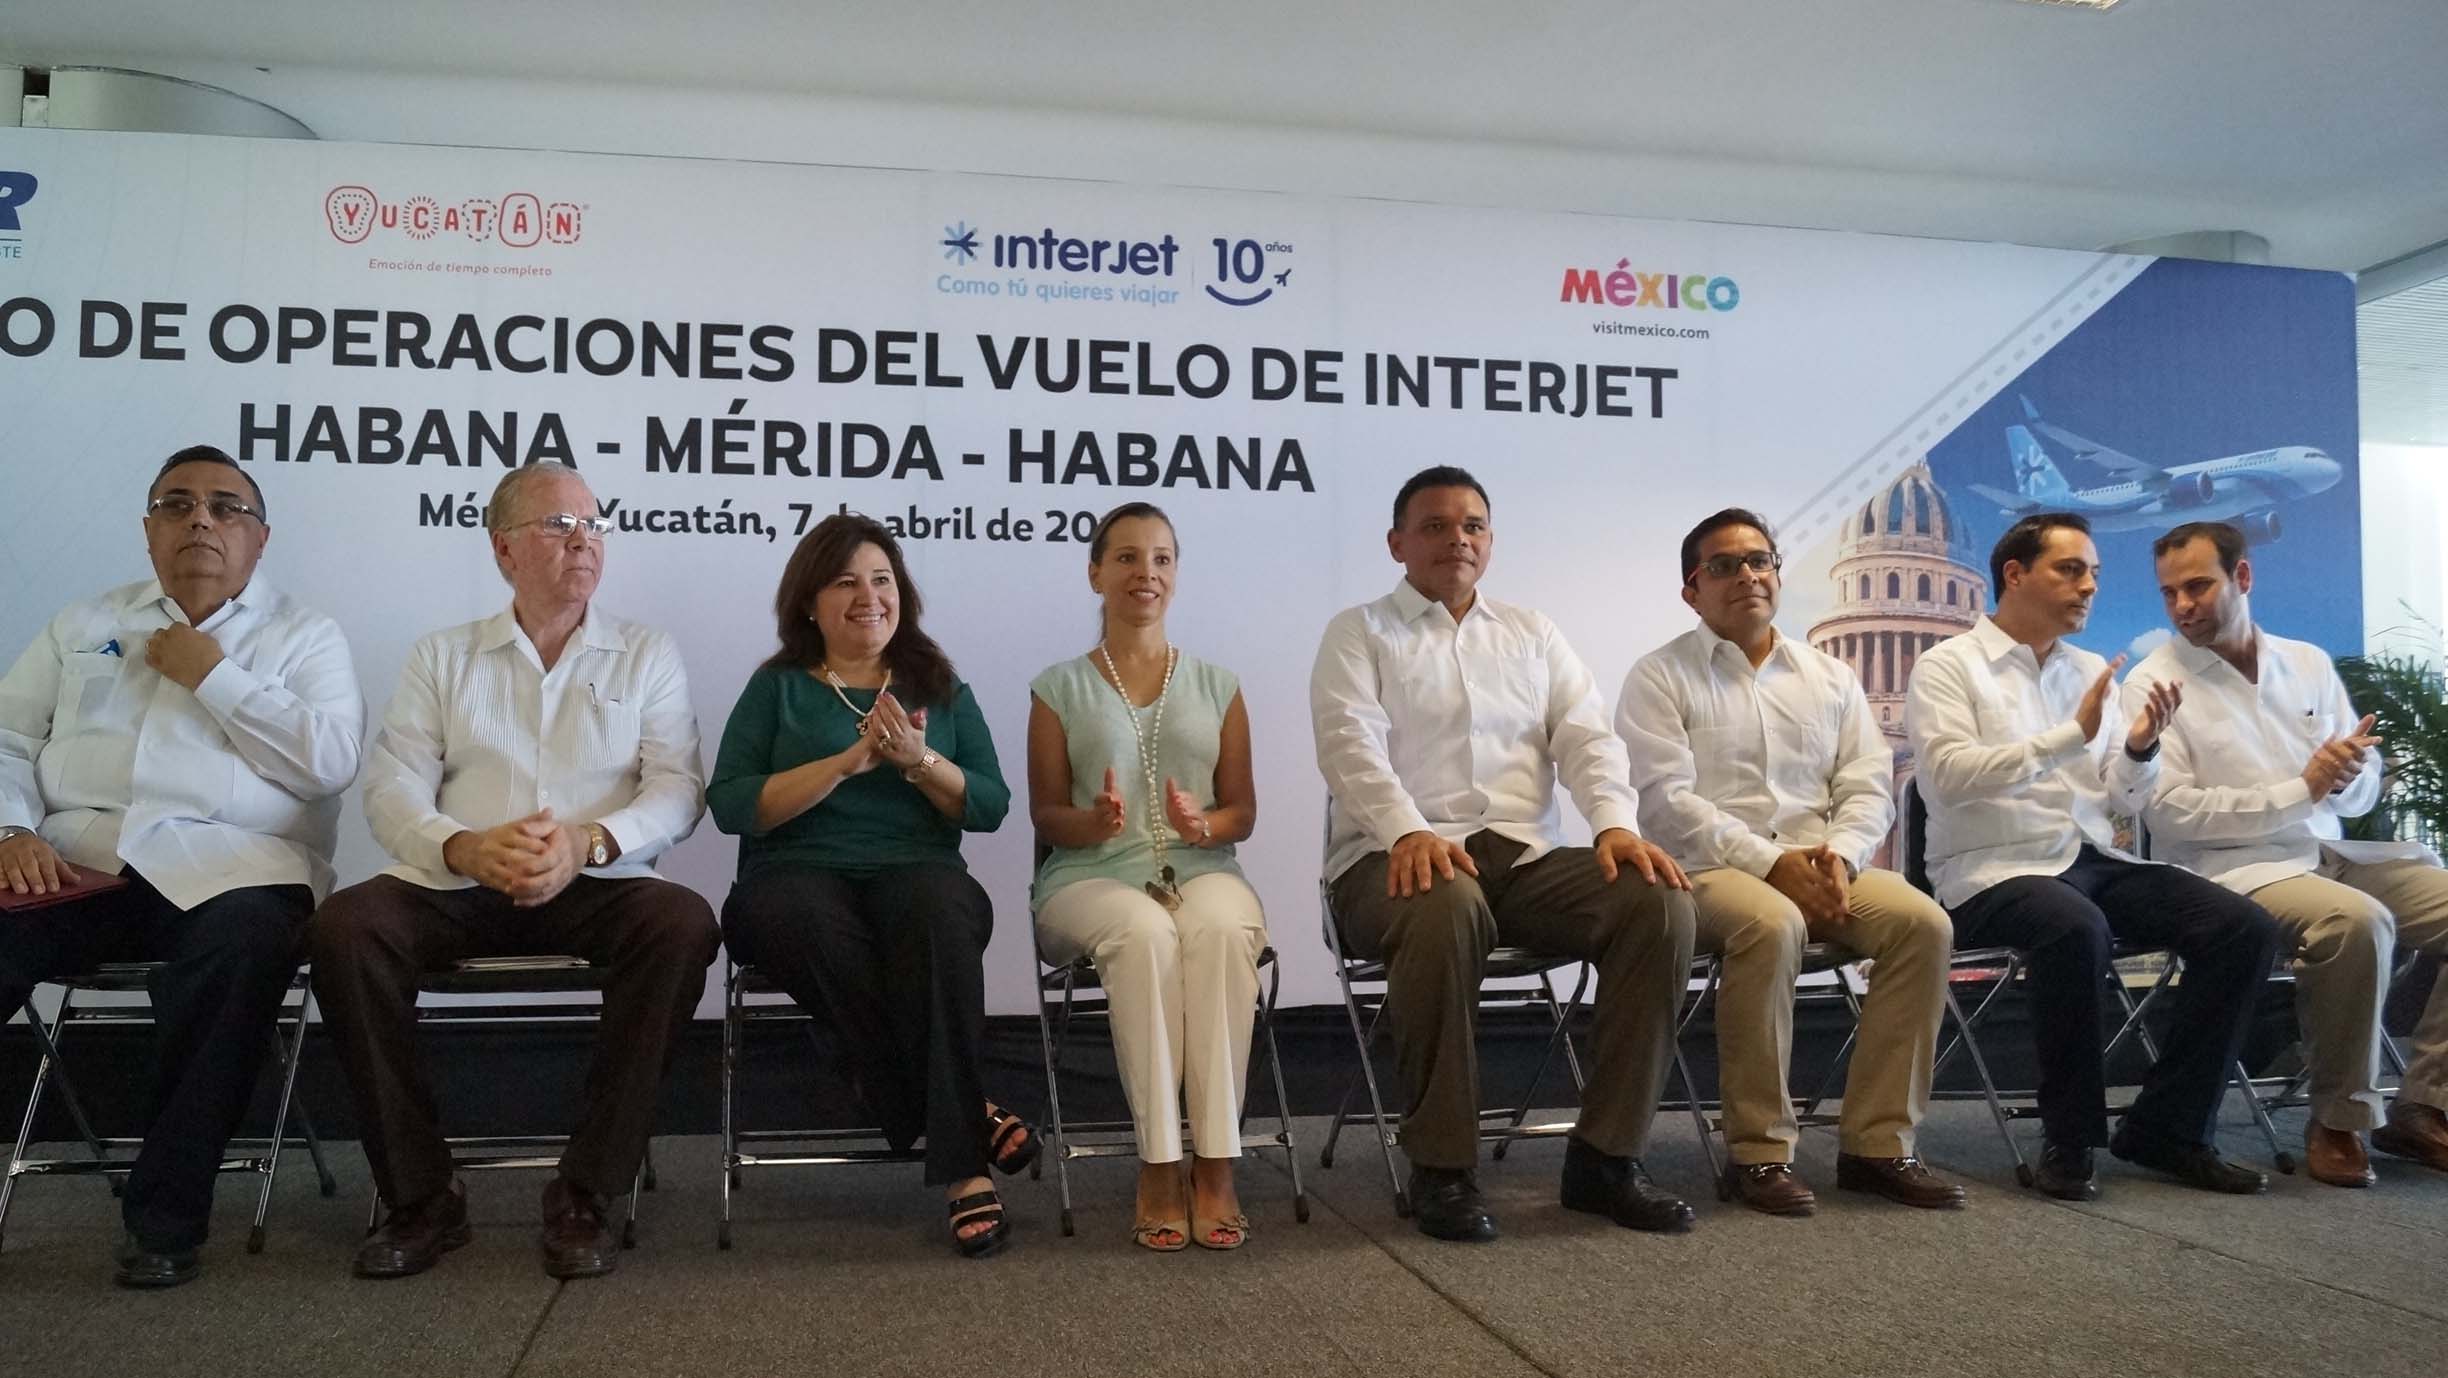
(2004, 966)
(799, 1147)
(1708, 1115)
(1504, 964)
(1060, 1000)
(135, 978)
(573, 980)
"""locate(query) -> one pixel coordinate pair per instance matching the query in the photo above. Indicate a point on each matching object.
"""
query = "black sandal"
(968, 1210)
(1010, 1159)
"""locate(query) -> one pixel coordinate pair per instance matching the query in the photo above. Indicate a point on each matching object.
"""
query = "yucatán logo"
(520, 220)
(1625, 287)
(16, 188)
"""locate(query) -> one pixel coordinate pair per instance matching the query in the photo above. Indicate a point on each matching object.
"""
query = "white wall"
(2405, 522)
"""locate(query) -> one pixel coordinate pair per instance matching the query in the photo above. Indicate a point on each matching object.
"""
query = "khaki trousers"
(1758, 934)
(1182, 986)
(2346, 920)
(1435, 948)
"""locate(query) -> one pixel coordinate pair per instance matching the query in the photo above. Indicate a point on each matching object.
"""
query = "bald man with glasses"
(171, 758)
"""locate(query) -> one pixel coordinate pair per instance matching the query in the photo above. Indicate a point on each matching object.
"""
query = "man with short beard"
(188, 735)
(2254, 781)
(2022, 764)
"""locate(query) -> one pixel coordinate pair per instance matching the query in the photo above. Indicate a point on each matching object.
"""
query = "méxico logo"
(520, 220)
(1626, 286)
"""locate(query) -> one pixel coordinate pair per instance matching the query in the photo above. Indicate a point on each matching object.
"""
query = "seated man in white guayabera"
(189, 736)
(1444, 722)
(2265, 760)
(1761, 770)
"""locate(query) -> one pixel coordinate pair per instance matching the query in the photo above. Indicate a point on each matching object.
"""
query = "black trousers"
(371, 943)
(894, 963)
(2064, 924)
(229, 960)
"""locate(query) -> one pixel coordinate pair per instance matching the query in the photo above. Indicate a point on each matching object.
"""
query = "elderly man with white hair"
(531, 767)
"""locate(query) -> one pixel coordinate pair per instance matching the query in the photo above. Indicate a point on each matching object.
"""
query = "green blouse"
(787, 717)
(1099, 730)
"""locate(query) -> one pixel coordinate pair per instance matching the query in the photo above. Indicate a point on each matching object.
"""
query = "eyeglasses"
(560, 524)
(180, 506)
(1724, 566)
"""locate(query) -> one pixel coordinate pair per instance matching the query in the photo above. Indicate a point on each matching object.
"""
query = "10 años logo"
(1248, 272)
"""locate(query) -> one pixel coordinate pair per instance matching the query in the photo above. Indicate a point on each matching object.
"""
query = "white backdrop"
(1841, 359)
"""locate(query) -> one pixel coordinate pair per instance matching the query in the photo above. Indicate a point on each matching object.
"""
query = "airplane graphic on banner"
(2245, 488)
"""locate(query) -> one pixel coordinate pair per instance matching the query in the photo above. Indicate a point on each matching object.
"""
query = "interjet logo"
(1050, 250)
(520, 220)
(16, 188)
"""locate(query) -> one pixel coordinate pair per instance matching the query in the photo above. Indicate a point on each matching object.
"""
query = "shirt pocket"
(608, 738)
(89, 680)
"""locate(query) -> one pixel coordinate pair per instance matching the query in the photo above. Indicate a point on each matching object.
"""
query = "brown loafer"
(2415, 1132)
(2336, 1156)
(1902, 1179)
(1771, 1188)
(416, 1236)
(577, 1242)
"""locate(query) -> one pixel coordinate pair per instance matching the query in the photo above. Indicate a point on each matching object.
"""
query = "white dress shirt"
(480, 733)
(1734, 766)
(2231, 801)
(234, 785)
(2012, 787)
(1426, 723)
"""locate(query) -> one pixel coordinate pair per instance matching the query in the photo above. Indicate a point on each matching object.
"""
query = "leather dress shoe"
(1446, 1204)
(2336, 1156)
(577, 1243)
(2065, 1172)
(143, 1267)
(1620, 1190)
(1770, 1188)
(416, 1236)
(2416, 1132)
(1902, 1179)
(2195, 1165)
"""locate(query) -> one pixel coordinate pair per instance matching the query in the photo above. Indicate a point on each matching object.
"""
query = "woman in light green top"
(1139, 781)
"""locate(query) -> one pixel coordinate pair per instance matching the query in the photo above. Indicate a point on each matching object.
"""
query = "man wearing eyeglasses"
(531, 767)
(171, 758)
(1760, 769)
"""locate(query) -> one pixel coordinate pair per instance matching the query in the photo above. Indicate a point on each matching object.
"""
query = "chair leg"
(1844, 1050)
(637, 1187)
(25, 1125)
(1365, 1042)
(1283, 1099)
(1980, 1066)
(1557, 1034)
(1701, 1127)
(1050, 1050)
(2260, 1116)
(730, 1122)
(295, 1047)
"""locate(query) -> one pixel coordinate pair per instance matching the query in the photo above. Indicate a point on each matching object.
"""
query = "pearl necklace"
(1164, 889)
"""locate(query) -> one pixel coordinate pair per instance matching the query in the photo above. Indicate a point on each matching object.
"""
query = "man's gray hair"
(506, 493)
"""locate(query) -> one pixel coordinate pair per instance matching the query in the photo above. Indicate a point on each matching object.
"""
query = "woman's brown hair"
(922, 675)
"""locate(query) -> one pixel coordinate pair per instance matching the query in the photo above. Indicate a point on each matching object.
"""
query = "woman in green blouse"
(1140, 782)
(851, 765)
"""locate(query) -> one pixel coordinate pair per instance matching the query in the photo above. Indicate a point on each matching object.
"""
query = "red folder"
(88, 882)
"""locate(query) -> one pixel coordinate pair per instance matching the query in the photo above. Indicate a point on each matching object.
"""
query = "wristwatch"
(926, 763)
(12, 830)
(599, 845)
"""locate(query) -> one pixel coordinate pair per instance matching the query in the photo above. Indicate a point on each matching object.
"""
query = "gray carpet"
(846, 1271)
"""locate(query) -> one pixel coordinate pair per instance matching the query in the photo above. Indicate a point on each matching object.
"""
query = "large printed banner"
(732, 351)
